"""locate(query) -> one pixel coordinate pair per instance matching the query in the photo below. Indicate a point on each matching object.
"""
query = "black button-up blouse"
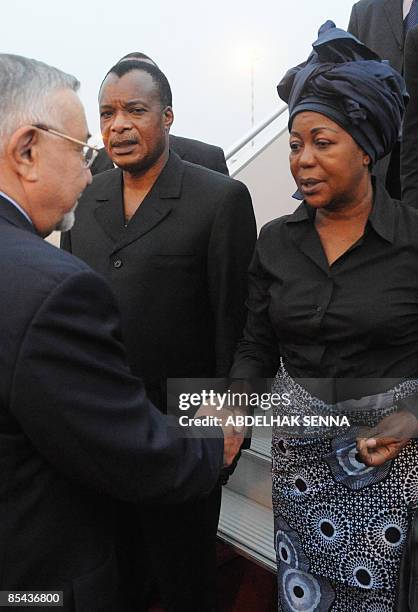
(357, 318)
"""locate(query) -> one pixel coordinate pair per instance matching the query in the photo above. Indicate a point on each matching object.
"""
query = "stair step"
(248, 526)
(262, 445)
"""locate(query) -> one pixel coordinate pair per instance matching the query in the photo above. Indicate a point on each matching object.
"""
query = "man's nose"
(120, 122)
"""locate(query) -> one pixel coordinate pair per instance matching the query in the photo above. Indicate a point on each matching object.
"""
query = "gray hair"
(25, 86)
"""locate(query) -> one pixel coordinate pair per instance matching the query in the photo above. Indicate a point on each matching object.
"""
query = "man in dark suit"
(77, 432)
(174, 240)
(409, 148)
(191, 150)
(381, 25)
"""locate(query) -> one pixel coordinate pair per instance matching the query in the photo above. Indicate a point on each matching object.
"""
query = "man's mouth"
(122, 147)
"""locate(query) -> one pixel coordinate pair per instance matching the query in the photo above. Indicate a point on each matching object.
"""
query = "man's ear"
(23, 152)
(168, 117)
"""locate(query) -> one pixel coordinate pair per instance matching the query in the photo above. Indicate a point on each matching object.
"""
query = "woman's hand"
(385, 441)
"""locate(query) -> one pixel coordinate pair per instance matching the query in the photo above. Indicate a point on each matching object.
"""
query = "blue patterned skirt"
(340, 526)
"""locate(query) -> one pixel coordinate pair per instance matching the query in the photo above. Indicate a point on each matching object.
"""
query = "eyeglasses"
(89, 152)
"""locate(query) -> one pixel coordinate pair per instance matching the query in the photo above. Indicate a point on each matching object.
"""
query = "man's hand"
(233, 436)
(232, 444)
(385, 441)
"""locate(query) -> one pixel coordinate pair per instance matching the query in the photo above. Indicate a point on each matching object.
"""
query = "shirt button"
(117, 263)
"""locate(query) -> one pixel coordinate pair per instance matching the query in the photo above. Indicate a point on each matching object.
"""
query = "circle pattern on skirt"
(329, 528)
(289, 550)
(411, 487)
(302, 592)
(378, 603)
(386, 531)
(364, 570)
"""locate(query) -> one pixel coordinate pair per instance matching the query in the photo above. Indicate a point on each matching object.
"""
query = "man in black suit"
(409, 148)
(381, 25)
(174, 240)
(77, 432)
(191, 150)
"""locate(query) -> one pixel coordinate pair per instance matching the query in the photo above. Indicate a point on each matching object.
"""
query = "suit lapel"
(151, 212)
(154, 209)
(394, 14)
(109, 212)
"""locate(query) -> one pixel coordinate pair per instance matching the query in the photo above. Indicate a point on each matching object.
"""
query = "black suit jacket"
(76, 429)
(194, 151)
(379, 25)
(178, 270)
(409, 149)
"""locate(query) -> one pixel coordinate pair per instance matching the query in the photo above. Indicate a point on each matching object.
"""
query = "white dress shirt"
(406, 7)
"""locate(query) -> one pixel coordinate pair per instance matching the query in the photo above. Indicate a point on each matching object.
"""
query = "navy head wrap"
(346, 81)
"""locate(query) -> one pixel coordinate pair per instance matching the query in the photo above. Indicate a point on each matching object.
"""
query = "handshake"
(233, 434)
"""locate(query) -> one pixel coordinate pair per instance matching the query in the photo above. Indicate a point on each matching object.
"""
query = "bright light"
(244, 56)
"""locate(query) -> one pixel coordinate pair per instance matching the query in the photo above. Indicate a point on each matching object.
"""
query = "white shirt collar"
(406, 7)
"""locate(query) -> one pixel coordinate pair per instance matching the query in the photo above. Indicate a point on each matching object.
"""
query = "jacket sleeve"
(87, 415)
(409, 146)
(230, 248)
(257, 355)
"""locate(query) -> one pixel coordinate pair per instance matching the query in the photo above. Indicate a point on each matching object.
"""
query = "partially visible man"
(77, 432)
(379, 24)
(191, 150)
(409, 148)
(174, 240)
(382, 25)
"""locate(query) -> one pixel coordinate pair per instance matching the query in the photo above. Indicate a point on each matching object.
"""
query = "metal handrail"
(254, 132)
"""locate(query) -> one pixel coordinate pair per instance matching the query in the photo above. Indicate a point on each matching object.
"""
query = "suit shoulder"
(195, 172)
(189, 144)
(32, 270)
(34, 257)
(364, 5)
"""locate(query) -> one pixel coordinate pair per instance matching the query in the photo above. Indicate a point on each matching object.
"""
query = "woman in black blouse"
(333, 299)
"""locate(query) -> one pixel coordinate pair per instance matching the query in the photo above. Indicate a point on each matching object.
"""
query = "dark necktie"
(412, 17)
